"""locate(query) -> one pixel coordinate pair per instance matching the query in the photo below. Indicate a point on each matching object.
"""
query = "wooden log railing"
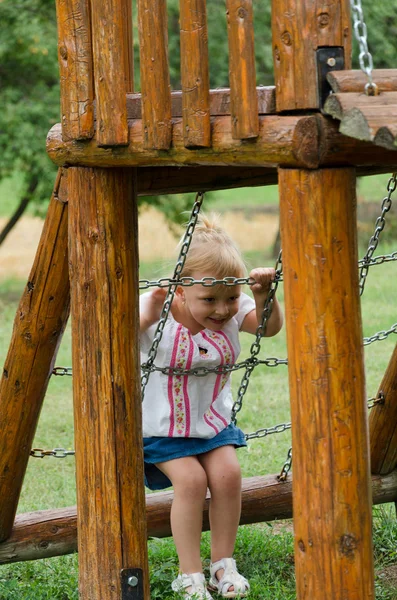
(47, 533)
(96, 66)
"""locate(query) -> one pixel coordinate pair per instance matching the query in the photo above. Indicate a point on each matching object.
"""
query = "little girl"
(189, 440)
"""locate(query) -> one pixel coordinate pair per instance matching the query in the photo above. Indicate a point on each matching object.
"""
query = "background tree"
(29, 83)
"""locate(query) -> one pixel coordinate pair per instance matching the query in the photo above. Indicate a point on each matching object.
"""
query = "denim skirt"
(161, 449)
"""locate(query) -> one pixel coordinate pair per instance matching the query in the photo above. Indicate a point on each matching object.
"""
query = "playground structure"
(113, 145)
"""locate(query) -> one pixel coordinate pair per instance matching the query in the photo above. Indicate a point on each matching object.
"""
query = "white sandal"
(195, 581)
(230, 578)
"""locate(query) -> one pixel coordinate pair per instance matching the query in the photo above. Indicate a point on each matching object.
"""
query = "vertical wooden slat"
(128, 48)
(242, 72)
(298, 29)
(155, 78)
(110, 49)
(195, 74)
(383, 423)
(38, 327)
(106, 384)
(331, 484)
(76, 69)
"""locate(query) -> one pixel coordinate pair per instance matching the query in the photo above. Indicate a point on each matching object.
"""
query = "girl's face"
(209, 307)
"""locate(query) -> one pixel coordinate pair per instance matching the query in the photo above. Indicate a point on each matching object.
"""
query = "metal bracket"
(328, 59)
(131, 584)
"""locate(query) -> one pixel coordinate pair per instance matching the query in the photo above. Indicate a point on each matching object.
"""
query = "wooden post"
(106, 384)
(331, 484)
(383, 422)
(299, 28)
(242, 72)
(195, 74)
(38, 327)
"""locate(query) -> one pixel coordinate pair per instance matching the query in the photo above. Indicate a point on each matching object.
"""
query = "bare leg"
(190, 487)
(224, 480)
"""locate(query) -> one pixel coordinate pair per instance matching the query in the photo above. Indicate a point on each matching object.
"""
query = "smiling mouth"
(217, 321)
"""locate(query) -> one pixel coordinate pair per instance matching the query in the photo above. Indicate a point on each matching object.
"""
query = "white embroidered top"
(191, 406)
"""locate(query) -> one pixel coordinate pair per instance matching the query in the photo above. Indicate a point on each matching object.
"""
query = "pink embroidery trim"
(170, 382)
(226, 355)
(178, 396)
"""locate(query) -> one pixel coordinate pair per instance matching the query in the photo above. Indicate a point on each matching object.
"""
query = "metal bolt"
(331, 62)
(132, 581)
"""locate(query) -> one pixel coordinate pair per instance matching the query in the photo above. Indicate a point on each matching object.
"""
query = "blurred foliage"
(29, 79)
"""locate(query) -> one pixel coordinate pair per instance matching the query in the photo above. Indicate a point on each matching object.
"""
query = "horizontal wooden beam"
(219, 102)
(292, 141)
(47, 533)
(153, 181)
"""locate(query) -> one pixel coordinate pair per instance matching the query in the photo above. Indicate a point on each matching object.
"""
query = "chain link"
(379, 227)
(55, 453)
(365, 57)
(381, 335)
(62, 371)
(171, 289)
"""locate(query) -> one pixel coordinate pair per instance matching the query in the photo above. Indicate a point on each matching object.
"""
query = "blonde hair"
(213, 251)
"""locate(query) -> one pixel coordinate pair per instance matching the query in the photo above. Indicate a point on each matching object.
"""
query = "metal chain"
(62, 371)
(256, 345)
(56, 453)
(171, 290)
(365, 57)
(218, 370)
(381, 335)
(258, 434)
(379, 227)
(286, 467)
(144, 284)
(378, 260)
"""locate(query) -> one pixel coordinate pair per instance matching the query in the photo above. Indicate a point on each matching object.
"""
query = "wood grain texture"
(356, 80)
(242, 72)
(287, 140)
(331, 486)
(219, 102)
(112, 65)
(301, 141)
(368, 118)
(176, 180)
(75, 69)
(47, 533)
(103, 260)
(195, 74)
(298, 30)
(155, 78)
(38, 327)
(383, 422)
